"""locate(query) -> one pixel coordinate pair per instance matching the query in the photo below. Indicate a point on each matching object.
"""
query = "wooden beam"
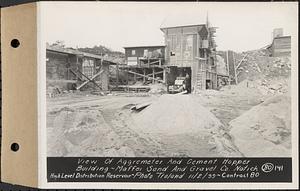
(134, 77)
(153, 75)
(236, 68)
(89, 79)
(164, 75)
(241, 62)
(76, 74)
(144, 76)
(153, 62)
(117, 74)
(235, 76)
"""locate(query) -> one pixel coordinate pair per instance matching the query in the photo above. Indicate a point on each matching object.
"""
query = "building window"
(88, 67)
(133, 52)
(146, 53)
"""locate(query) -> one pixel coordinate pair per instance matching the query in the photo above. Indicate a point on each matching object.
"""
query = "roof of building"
(108, 59)
(178, 26)
(282, 37)
(151, 46)
(278, 37)
(72, 51)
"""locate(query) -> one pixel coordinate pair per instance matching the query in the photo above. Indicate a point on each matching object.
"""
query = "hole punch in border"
(15, 147)
(15, 43)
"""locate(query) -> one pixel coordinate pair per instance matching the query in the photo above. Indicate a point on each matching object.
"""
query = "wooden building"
(145, 63)
(281, 46)
(72, 69)
(191, 49)
(144, 55)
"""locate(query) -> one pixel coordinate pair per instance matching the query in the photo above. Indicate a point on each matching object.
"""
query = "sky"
(241, 26)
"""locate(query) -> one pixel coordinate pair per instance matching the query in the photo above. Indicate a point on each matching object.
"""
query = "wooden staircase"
(200, 77)
(200, 83)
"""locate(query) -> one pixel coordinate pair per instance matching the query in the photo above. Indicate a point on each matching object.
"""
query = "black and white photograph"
(168, 80)
(150, 95)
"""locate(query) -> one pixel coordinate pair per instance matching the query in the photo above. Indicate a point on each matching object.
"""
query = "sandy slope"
(264, 130)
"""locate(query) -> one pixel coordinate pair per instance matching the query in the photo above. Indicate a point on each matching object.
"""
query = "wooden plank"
(235, 76)
(144, 76)
(117, 72)
(72, 71)
(89, 80)
(241, 62)
(153, 75)
(160, 72)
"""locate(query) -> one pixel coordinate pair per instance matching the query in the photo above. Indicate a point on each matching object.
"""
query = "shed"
(65, 66)
(281, 46)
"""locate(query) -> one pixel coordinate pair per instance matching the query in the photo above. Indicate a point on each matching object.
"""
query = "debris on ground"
(157, 88)
(260, 66)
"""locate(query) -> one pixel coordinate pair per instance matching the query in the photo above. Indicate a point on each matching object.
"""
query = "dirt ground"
(233, 121)
(89, 125)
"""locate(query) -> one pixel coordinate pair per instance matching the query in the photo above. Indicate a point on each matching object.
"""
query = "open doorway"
(180, 79)
(208, 84)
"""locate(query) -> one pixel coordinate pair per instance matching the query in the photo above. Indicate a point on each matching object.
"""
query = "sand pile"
(82, 132)
(174, 118)
(264, 130)
(177, 114)
(259, 87)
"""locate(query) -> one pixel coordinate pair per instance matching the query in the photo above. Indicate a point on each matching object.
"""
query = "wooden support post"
(144, 78)
(127, 76)
(117, 74)
(164, 75)
(78, 76)
(153, 75)
(77, 64)
(68, 73)
(235, 75)
(134, 76)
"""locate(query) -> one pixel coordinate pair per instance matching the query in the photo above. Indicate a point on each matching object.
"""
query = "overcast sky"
(241, 26)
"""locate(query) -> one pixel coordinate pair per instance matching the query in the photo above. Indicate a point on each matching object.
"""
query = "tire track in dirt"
(142, 146)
